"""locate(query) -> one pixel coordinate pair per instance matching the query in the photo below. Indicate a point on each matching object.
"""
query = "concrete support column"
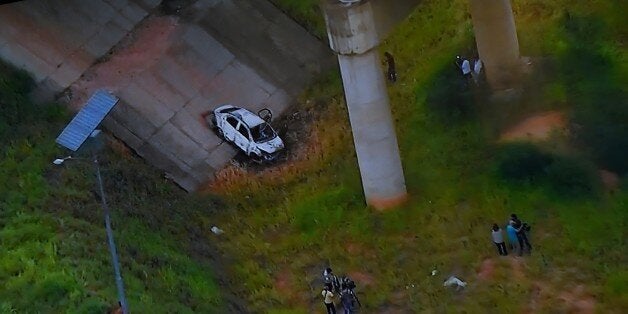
(352, 36)
(497, 43)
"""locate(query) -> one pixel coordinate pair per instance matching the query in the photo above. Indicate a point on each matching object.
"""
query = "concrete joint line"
(189, 136)
(198, 93)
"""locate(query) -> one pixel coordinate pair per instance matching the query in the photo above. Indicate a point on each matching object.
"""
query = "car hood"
(271, 146)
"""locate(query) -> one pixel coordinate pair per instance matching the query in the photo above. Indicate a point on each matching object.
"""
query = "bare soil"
(536, 127)
(487, 268)
(610, 180)
(137, 52)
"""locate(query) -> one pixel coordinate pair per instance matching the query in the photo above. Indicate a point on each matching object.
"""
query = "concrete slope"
(56, 41)
(169, 71)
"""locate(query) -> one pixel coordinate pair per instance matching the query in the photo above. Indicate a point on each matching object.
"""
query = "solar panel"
(86, 120)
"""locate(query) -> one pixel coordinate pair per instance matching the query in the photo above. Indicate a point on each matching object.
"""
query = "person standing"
(331, 280)
(392, 71)
(465, 68)
(477, 70)
(328, 299)
(347, 300)
(498, 239)
(521, 233)
(513, 238)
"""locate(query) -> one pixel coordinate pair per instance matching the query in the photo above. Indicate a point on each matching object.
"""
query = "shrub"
(566, 176)
(590, 70)
(522, 162)
(571, 177)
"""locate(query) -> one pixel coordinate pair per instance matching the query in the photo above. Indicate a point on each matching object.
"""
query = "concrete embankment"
(168, 70)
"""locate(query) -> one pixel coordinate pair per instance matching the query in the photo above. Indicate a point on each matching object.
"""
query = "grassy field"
(283, 224)
(293, 219)
(53, 253)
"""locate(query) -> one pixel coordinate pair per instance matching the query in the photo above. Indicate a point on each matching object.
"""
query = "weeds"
(299, 219)
(53, 248)
(300, 216)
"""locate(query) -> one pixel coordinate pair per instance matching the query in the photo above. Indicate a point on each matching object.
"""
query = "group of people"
(471, 70)
(339, 287)
(517, 233)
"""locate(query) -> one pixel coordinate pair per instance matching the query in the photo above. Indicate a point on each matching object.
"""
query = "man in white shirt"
(477, 69)
(498, 239)
(464, 65)
(465, 68)
(328, 299)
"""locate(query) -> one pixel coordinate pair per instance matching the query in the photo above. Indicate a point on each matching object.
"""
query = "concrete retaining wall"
(168, 71)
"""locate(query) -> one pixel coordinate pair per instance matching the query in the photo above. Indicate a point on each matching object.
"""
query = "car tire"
(220, 133)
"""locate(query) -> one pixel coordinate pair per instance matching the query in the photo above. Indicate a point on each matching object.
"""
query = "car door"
(230, 128)
(242, 137)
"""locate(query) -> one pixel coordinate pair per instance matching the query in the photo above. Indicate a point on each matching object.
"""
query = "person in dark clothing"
(498, 239)
(392, 72)
(348, 301)
(521, 233)
(331, 280)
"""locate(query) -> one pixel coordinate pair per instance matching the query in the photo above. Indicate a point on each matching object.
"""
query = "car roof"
(245, 115)
(248, 117)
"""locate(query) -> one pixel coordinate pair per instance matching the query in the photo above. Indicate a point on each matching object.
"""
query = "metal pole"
(112, 244)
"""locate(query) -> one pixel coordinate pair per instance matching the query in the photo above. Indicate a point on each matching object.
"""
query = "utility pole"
(74, 135)
(110, 241)
(353, 37)
(497, 43)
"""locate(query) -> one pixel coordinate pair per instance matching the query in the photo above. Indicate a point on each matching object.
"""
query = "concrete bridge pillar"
(496, 39)
(352, 35)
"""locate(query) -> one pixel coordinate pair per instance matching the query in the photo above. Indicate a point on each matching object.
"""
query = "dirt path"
(536, 127)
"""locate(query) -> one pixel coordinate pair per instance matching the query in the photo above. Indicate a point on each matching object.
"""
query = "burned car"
(248, 131)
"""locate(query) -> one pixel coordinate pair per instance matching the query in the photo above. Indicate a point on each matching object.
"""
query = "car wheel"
(220, 133)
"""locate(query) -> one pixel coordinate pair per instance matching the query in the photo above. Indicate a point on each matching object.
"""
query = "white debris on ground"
(454, 281)
(217, 230)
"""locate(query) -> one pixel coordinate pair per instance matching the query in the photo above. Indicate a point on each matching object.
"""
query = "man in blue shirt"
(513, 239)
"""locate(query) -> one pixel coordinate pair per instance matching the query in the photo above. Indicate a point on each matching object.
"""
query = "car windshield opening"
(263, 132)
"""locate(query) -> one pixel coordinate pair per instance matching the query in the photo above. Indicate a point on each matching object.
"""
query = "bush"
(590, 70)
(566, 176)
(572, 177)
(522, 162)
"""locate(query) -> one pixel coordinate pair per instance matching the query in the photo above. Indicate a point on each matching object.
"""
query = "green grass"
(54, 256)
(305, 12)
(284, 224)
(295, 220)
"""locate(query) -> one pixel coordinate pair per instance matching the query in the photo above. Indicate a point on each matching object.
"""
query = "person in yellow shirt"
(328, 299)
